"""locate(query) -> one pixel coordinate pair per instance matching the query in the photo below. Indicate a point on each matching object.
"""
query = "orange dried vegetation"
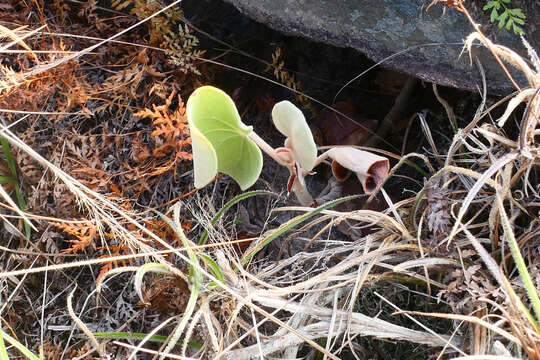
(287, 78)
(85, 233)
(171, 135)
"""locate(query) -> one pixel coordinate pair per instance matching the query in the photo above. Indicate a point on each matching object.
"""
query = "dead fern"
(84, 232)
(181, 47)
(439, 218)
(277, 65)
(171, 135)
(167, 32)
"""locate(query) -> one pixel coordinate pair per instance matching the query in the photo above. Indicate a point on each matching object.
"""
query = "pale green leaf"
(494, 15)
(518, 30)
(518, 12)
(489, 5)
(290, 121)
(24, 350)
(220, 140)
(503, 18)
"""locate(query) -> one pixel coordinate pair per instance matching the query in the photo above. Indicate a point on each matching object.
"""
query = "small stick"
(398, 108)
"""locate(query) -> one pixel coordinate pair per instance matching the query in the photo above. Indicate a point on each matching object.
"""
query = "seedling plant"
(222, 142)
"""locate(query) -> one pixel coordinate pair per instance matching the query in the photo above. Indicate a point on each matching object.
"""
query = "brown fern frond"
(84, 232)
(171, 134)
(181, 47)
(112, 251)
(277, 65)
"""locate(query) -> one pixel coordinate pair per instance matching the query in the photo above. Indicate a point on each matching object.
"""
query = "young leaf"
(494, 15)
(518, 12)
(205, 161)
(290, 121)
(509, 23)
(489, 5)
(502, 18)
(220, 140)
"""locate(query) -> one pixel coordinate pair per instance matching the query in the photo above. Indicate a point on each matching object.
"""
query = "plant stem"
(264, 146)
(321, 158)
(302, 193)
(298, 187)
(488, 45)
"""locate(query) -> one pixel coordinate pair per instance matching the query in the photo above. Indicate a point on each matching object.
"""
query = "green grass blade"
(214, 267)
(9, 156)
(291, 224)
(3, 350)
(521, 266)
(196, 277)
(190, 308)
(22, 206)
(138, 336)
(228, 205)
(13, 168)
(194, 271)
(23, 350)
(7, 179)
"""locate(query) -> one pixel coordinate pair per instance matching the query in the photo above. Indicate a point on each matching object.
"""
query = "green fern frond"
(509, 18)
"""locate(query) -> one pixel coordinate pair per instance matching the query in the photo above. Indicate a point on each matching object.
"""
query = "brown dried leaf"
(85, 233)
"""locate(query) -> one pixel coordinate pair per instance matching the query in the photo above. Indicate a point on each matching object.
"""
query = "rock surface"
(385, 28)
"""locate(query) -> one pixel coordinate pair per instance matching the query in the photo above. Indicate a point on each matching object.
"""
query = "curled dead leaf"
(340, 173)
(370, 169)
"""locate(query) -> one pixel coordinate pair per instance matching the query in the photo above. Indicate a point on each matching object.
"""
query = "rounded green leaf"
(220, 140)
(290, 121)
(204, 158)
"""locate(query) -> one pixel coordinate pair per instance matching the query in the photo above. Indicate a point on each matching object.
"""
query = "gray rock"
(384, 28)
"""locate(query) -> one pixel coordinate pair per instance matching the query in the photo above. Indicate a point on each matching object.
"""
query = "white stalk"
(302, 193)
(299, 186)
(264, 146)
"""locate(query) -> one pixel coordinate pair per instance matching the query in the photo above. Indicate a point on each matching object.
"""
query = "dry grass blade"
(429, 137)
(471, 319)
(483, 179)
(514, 103)
(18, 40)
(359, 324)
(315, 302)
(14, 206)
(153, 352)
(507, 54)
(97, 346)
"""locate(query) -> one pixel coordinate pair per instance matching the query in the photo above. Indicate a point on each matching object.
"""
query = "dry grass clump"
(112, 129)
